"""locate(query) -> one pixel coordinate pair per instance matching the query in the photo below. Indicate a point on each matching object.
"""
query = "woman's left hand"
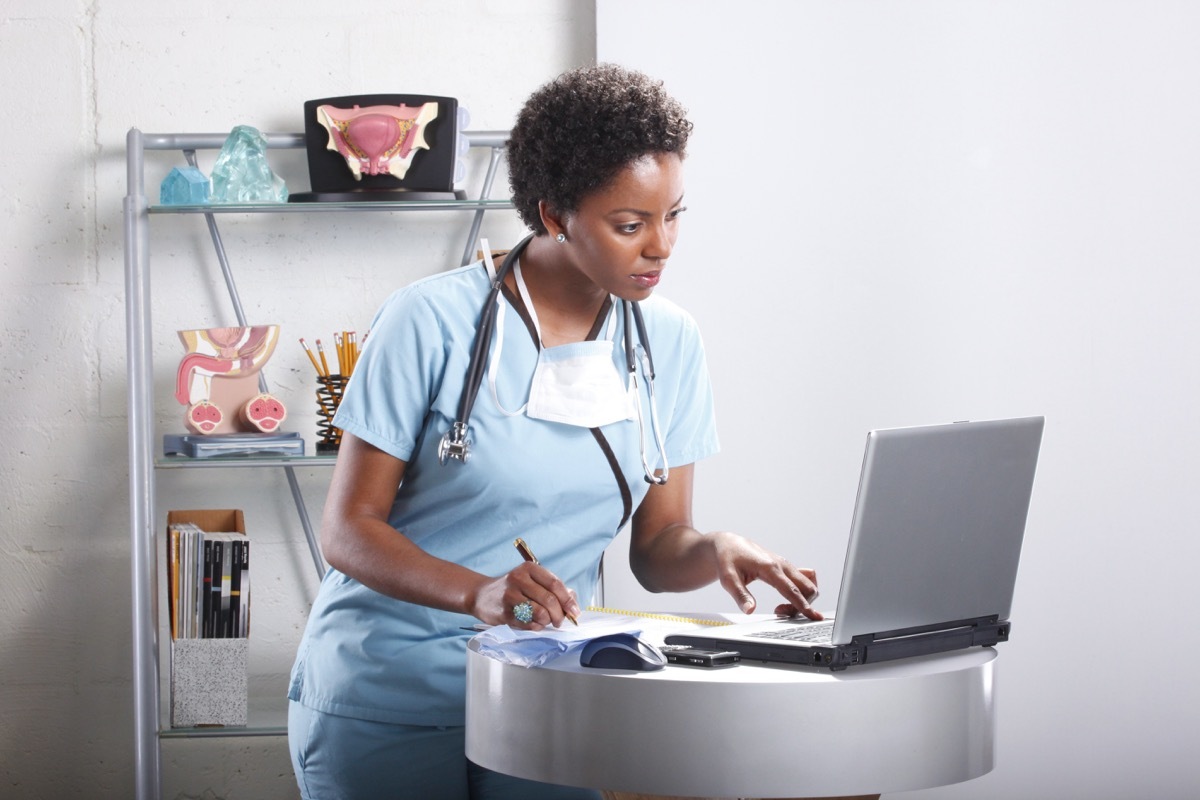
(741, 562)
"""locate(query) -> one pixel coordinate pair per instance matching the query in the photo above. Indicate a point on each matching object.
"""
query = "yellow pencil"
(308, 352)
(324, 363)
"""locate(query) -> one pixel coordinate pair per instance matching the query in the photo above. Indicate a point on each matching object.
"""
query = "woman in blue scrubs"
(420, 549)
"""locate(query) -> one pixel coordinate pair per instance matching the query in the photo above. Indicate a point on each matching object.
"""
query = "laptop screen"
(938, 525)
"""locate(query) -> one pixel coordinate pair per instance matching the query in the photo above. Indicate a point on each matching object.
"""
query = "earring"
(562, 237)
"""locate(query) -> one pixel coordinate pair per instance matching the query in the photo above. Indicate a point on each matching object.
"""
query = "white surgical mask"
(576, 383)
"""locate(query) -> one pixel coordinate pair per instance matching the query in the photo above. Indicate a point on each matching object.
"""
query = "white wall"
(906, 213)
(78, 75)
(964, 209)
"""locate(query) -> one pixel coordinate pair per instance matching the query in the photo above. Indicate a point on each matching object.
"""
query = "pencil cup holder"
(329, 396)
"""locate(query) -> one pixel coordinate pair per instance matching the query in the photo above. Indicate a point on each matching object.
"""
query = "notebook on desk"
(932, 558)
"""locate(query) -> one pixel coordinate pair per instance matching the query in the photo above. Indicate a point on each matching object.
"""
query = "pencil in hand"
(528, 555)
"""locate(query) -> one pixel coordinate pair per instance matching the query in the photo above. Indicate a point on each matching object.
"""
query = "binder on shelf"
(224, 445)
(208, 584)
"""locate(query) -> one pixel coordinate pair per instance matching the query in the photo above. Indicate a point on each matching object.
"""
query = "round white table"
(752, 730)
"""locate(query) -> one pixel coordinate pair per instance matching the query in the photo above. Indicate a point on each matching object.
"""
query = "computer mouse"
(621, 651)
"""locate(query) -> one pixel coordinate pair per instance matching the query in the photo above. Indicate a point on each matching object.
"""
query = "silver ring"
(523, 612)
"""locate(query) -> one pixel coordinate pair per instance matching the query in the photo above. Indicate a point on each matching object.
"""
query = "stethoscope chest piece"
(455, 444)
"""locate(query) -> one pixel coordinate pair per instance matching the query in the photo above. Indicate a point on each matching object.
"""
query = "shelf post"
(147, 767)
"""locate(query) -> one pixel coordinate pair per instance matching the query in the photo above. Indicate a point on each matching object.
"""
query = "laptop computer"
(932, 558)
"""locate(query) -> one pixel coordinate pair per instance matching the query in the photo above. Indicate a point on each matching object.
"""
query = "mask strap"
(524, 291)
(488, 263)
(610, 324)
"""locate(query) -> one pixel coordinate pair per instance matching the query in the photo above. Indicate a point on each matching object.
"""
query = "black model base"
(374, 196)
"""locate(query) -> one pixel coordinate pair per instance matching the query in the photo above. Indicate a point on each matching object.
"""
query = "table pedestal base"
(752, 730)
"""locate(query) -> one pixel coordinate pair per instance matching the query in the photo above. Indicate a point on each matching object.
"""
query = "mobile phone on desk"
(699, 657)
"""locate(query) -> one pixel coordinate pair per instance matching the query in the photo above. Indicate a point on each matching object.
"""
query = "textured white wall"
(939, 210)
(78, 75)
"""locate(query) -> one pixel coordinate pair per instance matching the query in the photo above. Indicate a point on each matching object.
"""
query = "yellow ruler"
(663, 617)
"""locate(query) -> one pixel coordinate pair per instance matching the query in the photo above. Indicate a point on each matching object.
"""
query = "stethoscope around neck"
(456, 443)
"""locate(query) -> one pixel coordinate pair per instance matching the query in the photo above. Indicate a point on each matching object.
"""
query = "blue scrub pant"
(340, 758)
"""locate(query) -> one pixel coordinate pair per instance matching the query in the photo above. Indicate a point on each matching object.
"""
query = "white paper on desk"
(533, 648)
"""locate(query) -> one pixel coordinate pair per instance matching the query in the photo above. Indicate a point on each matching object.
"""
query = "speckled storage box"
(208, 682)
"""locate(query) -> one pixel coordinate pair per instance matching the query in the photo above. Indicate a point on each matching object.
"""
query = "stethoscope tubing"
(477, 366)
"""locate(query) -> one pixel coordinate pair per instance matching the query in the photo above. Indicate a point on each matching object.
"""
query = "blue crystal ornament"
(184, 186)
(242, 174)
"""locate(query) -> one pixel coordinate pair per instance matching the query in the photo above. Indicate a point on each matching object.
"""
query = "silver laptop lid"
(938, 523)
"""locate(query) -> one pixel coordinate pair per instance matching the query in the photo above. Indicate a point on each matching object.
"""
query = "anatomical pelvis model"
(218, 380)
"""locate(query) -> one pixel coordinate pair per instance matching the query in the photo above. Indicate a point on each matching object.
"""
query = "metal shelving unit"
(138, 210)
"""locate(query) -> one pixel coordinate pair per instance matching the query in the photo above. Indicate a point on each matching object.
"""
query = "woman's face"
(621, 235)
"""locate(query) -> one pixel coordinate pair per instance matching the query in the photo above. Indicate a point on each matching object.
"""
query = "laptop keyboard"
(813, 633)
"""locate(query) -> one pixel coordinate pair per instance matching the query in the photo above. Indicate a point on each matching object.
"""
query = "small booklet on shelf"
(225, 445)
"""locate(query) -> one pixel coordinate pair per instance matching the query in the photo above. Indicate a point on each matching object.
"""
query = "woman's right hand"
(549, 598)
(358, 541)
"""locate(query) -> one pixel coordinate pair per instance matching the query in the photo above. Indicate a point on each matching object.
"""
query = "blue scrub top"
(370, 656)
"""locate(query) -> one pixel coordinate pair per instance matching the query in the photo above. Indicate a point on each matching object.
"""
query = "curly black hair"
(577, 132)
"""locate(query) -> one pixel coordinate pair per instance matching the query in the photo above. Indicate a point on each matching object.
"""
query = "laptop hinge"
(975, 623)
(923, 640)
